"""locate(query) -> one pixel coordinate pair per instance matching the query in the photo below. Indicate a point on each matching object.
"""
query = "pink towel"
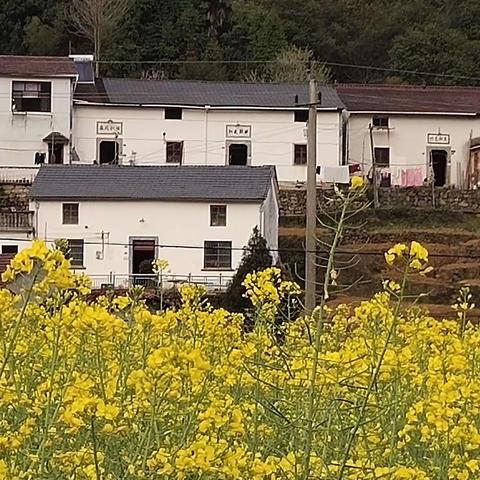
(412, 177)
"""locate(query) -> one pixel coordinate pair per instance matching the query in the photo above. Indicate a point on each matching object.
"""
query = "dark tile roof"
(12, 65)
(201, 93)
(407, 98)
(188, 183)
(89, 92)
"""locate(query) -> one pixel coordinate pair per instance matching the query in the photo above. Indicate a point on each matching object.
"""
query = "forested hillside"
(396, 38)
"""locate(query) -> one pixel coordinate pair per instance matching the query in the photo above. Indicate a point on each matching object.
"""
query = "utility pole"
(310, 242)
(374, 169)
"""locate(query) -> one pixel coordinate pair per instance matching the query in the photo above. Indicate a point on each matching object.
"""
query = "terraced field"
(452, 240)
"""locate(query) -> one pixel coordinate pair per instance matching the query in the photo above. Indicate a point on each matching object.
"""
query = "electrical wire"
(327, 63)
(340, 251)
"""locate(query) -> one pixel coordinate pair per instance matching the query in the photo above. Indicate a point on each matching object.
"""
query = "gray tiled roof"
(215, 94)
(188, 183)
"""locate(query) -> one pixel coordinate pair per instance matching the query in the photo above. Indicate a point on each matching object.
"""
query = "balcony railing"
(23, 175)
(16, 221)
(212, 283)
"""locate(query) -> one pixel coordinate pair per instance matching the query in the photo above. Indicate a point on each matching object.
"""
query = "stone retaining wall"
(14, 196)
(293, 202)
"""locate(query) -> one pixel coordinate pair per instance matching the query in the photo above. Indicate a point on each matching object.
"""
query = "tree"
(216, 13)
(256, 36)
(41, 38)
(443, 51)
(96, 20)
(255, 257)
(293, 65)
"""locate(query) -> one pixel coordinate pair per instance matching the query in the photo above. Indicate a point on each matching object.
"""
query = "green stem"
(318, 339)
(100, 366)
(46, 426)
(18, 323)
(95, 452)
(373, 379)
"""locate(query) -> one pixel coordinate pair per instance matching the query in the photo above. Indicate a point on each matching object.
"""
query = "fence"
(16, 221)
(18, 174)
(213, 283)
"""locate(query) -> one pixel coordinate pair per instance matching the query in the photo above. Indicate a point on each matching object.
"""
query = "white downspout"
(207, 108)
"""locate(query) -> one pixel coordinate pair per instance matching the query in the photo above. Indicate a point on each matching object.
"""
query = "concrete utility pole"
(376, 202)
(310, 243)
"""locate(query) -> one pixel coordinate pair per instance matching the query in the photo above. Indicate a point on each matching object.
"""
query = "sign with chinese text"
(239, 131)
(438, 138)
(109, 127)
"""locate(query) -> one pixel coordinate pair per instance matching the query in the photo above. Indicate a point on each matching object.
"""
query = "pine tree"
(256, 257)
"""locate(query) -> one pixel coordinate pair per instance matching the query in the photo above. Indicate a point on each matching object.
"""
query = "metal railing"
(16, 221)
(24, 175)
(213, 283)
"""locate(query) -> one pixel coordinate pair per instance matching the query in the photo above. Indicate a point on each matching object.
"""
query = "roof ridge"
(221, 82)
(373, 86)
(38, 57)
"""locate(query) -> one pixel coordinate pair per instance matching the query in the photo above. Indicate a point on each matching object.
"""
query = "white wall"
(21, 134)
(407, 139)
(20, 239)
(145, 133)
(174, 223)
(270, 219)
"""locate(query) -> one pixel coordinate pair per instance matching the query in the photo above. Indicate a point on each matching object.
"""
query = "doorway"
(143, 253)
(439, 159)
(108, 152)
(238, 154)
(55, 153)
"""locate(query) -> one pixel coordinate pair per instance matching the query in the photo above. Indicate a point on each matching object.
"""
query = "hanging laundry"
(412, 177)
(338, 174)
(354, 168)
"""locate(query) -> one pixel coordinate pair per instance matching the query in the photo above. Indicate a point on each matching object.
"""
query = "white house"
(417, 133)
(36, 98)
(119, 218)
(173, 122)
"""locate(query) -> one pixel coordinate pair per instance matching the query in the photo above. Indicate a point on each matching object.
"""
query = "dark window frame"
(381, 121)
(36, 100)
(300, 154)
(173, 113)
(70, 213)
(76, 252)
(172, 157)
(13, 249)
(300, 116)
(217, 255)
(218, 215)
(380, 153)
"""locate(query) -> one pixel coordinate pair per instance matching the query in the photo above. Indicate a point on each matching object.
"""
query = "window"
(31, 96)
(174, 152)
(301, 116)
(382, 156)
(218, 215)
(173, 113)
(300, 154)
(10, 249)
(217, 255)
(380, 122)
(75, 252)
(70, 213)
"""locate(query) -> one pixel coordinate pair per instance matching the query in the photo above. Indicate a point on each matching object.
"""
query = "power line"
(340, 251)
(263, 62)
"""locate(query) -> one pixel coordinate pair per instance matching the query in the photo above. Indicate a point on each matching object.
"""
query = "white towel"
(338, 174)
